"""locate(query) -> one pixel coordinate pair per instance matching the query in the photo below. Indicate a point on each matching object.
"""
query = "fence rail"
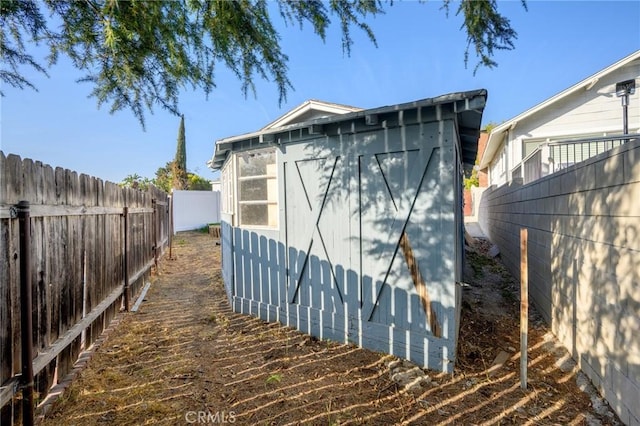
(88, 244)
(555, 156)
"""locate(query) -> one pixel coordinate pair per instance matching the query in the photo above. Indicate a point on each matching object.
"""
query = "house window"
(503, 161)
(257, 189)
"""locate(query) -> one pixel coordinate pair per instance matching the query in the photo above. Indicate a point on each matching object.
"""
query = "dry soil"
(186, 358)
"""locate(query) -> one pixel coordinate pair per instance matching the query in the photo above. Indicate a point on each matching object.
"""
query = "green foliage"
(198, 183)
(487, 30)
(180, 178)
(136, 181)
(138, 55)
(19, 18)
(489, 127)
(274, 378)
(181, 150)
(472, 180)
(164, 177)
(164, 180)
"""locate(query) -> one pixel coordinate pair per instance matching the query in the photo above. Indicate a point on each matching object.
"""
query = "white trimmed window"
(257, 188)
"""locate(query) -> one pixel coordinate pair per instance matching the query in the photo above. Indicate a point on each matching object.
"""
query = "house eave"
(496, 135)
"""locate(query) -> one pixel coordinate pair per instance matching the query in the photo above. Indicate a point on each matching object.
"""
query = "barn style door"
(363, 234)
(394, 288)
(316, 232)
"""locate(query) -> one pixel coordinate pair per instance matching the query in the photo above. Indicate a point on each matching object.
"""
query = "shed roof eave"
(443, 99)
(221, 150)
(472, 101)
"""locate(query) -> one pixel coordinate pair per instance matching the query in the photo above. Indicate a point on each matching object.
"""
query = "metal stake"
(125, 260)
(26, 322)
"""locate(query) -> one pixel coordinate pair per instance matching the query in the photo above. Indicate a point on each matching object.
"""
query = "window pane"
(255, 164)
(257, 188)
(254, 214)
(253, 190)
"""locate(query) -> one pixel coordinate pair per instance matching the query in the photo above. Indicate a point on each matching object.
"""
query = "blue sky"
(420, 55)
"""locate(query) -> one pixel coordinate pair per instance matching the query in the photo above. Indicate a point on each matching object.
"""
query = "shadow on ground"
(186, 358)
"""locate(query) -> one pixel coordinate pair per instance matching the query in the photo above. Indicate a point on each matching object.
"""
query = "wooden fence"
(89, 246)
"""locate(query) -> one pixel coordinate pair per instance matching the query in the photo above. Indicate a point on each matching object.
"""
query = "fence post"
(170, 214)
(154, 203)
(125, 260)
(24, 222)
(524, 306)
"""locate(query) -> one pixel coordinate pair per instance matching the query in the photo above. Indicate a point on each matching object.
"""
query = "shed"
(349, 227)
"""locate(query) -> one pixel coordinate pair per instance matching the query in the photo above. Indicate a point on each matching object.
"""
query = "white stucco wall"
(195, 209)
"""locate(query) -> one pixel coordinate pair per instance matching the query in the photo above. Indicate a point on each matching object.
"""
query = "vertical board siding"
(367, 248)
(77, 252)
(227, 257)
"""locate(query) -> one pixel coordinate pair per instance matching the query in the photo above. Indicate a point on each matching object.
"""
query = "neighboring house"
(347, 224)
(567, 174)
(471, 195)
(542, 139)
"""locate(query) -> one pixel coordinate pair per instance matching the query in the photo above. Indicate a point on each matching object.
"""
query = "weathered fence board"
(77, 250)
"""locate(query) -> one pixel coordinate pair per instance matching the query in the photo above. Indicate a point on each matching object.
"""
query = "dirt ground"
(186, 358)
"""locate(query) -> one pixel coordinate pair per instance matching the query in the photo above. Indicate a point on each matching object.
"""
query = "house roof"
(467, 105)
(496, 136)
(317, 107)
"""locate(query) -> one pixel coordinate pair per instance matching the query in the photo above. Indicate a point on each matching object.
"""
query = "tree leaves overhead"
(136, 54)
(140, 54)
(487, 30)
(18, 18)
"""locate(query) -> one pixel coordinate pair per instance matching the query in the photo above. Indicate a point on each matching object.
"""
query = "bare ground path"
(186, 358)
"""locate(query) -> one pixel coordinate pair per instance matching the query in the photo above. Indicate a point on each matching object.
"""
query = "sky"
(420, 54)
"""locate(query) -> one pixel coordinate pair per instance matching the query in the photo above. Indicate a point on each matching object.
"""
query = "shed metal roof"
(468, 107)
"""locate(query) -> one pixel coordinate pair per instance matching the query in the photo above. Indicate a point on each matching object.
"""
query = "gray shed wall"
(356, 210)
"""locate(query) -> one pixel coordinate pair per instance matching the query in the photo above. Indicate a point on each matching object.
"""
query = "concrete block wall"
(584, 263)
